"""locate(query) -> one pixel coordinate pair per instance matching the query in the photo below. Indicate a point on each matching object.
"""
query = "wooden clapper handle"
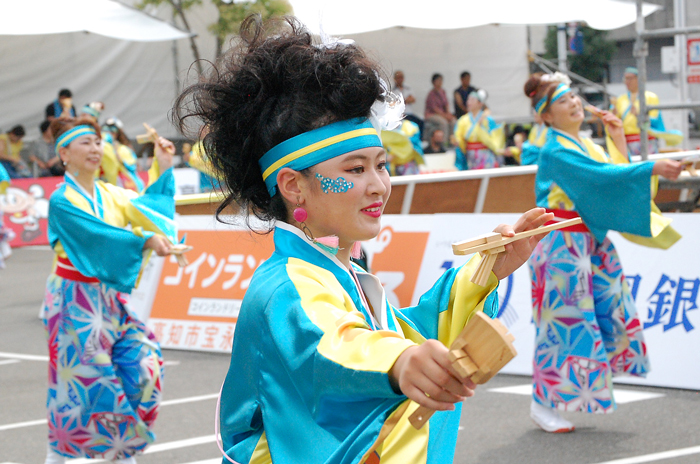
(481, 350)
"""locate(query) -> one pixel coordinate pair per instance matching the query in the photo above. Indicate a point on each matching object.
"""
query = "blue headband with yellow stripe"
(313, 147)
(71, 134)
(561, 90)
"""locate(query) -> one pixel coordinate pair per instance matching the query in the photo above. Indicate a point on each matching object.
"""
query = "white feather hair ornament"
(387, 114)
(557, 77)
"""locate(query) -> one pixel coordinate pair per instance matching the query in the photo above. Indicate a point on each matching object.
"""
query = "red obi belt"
(636, 138)
(65, 269)
(562, 215)
(476, 146)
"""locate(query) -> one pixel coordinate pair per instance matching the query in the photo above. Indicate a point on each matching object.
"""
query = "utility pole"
(679, 13)
(561, 47)
(641, 50)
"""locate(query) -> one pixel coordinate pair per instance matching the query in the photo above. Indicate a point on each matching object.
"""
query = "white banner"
(408, 256)
(664, 283)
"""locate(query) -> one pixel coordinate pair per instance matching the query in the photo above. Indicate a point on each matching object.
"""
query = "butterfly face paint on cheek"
(339, 185)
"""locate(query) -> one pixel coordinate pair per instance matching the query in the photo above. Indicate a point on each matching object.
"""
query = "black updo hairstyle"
(273, 85)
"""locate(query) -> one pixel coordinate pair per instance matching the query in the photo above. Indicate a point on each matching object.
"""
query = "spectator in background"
(437, 110)
(436, 143)
(408, 98)
(462, 93)
(185, 157)
(10, 147)
(44, 154)
(514, 146)
(62, 106)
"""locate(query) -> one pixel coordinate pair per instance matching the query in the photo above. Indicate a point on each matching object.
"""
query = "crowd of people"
(467, 128)
(121, 164)
(323, 367)
(479, 142)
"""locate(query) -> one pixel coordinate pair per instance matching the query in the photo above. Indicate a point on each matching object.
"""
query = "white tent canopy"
(134, 77)
(103, 17)
(361, 16)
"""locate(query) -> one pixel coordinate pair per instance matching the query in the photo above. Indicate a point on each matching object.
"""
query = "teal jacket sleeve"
(443, 311)
(530, 154)
(111, 254)
(606, 196)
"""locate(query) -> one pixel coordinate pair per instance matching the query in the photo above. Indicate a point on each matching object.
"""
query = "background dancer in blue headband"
(480, 139)
(586, 320)
(321, 362)
(105, 366)
(627, 109)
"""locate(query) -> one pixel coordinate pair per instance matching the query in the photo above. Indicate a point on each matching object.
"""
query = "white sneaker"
(53, 457)
(549, 420)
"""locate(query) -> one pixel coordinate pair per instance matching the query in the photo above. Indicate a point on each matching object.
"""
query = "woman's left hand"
(164, 150)
(518, 252)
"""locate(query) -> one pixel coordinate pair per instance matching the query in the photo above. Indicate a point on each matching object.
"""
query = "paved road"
(495, 425)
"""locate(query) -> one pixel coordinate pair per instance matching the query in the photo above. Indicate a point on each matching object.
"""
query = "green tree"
(597, 53)
(232, 13)
(179, 8)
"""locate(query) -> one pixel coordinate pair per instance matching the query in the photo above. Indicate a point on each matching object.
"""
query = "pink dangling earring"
(329, 243)
(300, 214)
(356, 250)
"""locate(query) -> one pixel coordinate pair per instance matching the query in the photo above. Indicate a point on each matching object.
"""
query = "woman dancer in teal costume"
(323, 366)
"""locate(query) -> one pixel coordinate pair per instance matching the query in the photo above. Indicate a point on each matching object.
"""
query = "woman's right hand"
(163, 152)
(158, 243)
(670, 169)
(425, 374)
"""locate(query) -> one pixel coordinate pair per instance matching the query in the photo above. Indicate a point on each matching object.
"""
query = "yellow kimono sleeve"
(199, 160)
(110, 164)
(339, 331)
(662, 234)
(494, 140)
(463, 125)
(466, 298)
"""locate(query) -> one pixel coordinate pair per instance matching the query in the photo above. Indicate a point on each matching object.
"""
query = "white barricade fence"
(186, 181)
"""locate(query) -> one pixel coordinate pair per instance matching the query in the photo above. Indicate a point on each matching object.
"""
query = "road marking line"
(31, 357)
(208, 461)
(24, 357)
(621, 396)
(656, 456)
(9, 361)
(171, 445)
(22, 424)
(189, 399)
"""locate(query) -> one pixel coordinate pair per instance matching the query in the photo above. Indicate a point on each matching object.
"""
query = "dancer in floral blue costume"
(586, 320)
(105, 366)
